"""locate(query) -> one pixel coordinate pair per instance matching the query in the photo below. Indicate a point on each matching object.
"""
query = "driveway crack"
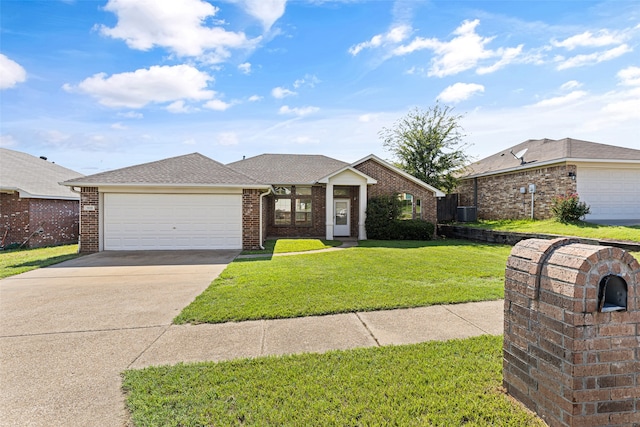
(82, 331)
(149, 346)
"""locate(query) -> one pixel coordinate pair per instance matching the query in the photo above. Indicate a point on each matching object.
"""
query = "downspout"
(79, 215)
(266, 193)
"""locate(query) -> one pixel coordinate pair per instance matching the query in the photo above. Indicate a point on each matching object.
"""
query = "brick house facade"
(238, 203)
(500, 196)
(44, 222)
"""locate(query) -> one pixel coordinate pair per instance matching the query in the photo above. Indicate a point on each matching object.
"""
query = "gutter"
(266, 193)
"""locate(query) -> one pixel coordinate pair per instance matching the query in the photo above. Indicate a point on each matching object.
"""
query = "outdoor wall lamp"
(572, 175)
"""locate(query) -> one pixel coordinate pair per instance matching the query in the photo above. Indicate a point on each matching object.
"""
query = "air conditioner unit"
(467, 214)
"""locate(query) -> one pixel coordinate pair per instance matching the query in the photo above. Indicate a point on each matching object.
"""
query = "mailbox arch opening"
(612, 294)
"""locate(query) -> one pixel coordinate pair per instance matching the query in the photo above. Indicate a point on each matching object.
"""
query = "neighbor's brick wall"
(21, 217)
(89, 220)
(390, 182)
(318, 227)
(570, 363)
(499, 196)
(251, 219)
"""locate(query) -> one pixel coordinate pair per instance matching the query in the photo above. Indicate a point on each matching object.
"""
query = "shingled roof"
(34, 177)
(190, 169)
(288, 168)
(546, 151)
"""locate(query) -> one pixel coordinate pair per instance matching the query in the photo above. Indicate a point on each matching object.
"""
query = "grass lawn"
(437, 383)
(281, 246)
(550, 226)
(18, 261)
(373, 276)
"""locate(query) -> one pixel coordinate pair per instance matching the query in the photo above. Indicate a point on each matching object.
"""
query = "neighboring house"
(34, 208)
(194, 202)
(605, 177)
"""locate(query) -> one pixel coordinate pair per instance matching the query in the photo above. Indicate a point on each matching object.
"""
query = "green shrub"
(383, 223)
(568, 208)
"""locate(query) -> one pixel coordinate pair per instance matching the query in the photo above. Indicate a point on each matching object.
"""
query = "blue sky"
(98, 85)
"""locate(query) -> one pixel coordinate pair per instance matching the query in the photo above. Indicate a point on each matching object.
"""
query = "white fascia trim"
(438, 193)
(325, 180)
(547, 163)
(142, 184)
(26, 195)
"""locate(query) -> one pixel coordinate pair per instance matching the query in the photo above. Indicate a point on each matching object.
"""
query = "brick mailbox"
(571, 345)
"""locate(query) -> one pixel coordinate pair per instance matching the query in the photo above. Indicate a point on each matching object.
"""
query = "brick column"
(251, 219)
(89, 220)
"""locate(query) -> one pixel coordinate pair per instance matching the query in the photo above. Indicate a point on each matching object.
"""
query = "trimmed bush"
(383, 223)
(569, 208)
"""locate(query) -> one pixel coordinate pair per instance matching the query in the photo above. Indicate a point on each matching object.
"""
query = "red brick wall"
(251, 219)
(21, 217)
(499, 196)
(563, 358)
(89, 220)
(318, 227)
(390, 182)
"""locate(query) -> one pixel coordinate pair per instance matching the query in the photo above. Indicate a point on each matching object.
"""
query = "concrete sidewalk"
(316, 334)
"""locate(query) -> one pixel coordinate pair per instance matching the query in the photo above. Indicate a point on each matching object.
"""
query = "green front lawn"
(373, 276)
(449, 383)
(281, 246)
(550, 226)
(16, 261)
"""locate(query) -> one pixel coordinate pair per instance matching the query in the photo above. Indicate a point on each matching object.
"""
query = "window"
(283, 212)
(340, 192)
(293, 206)
(410, 207)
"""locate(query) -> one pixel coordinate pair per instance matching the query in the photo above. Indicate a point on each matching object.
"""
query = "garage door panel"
(172, 221)
(610, 193)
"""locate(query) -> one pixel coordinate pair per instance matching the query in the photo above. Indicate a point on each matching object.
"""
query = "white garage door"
(172, 221)
(612, 193)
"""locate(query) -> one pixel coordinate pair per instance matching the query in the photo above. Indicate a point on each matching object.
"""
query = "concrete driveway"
(68, 331)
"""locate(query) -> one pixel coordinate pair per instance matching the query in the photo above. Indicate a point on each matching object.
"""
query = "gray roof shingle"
(288, 168)
(33, 176)
(548, 150)
(190, 169)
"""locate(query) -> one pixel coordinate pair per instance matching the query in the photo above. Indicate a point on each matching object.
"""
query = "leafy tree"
(428, 145)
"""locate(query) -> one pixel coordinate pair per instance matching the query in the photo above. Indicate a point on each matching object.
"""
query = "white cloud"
(178, 107)
(54, 136)
(179, 26)
(266, 11)
(593, 58)
(462, 53)
(7, 141)
(281, 92)
(309, 80)
(228, 138)
(245, 68)
(588, 39)
(459, 92)
(629, 76)
(157, 84)
(119, 126)
(217, 105)
(189, 141)
(571, 84)
(303, 111)
(131, 115)
(255, 98)
(11, 73)
(304, 140)
(395, 35)
(561, 100)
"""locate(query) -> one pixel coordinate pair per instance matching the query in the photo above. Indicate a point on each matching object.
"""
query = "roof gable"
(438, 193)
(288, 168)
(190, 169)
(34, 177)
(545, 151)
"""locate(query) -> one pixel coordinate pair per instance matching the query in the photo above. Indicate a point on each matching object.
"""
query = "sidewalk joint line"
(468, 321)
(367, 328)
(263, 335)
(149, 346)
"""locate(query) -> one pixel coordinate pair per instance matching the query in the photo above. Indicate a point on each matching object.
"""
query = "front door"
(341, 217)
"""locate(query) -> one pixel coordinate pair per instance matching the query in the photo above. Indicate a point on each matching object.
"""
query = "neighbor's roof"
(288, 168)
(34, 177)
(188, 170)
(547, 151)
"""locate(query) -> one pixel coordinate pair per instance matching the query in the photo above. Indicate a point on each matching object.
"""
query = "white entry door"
(341, 217)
